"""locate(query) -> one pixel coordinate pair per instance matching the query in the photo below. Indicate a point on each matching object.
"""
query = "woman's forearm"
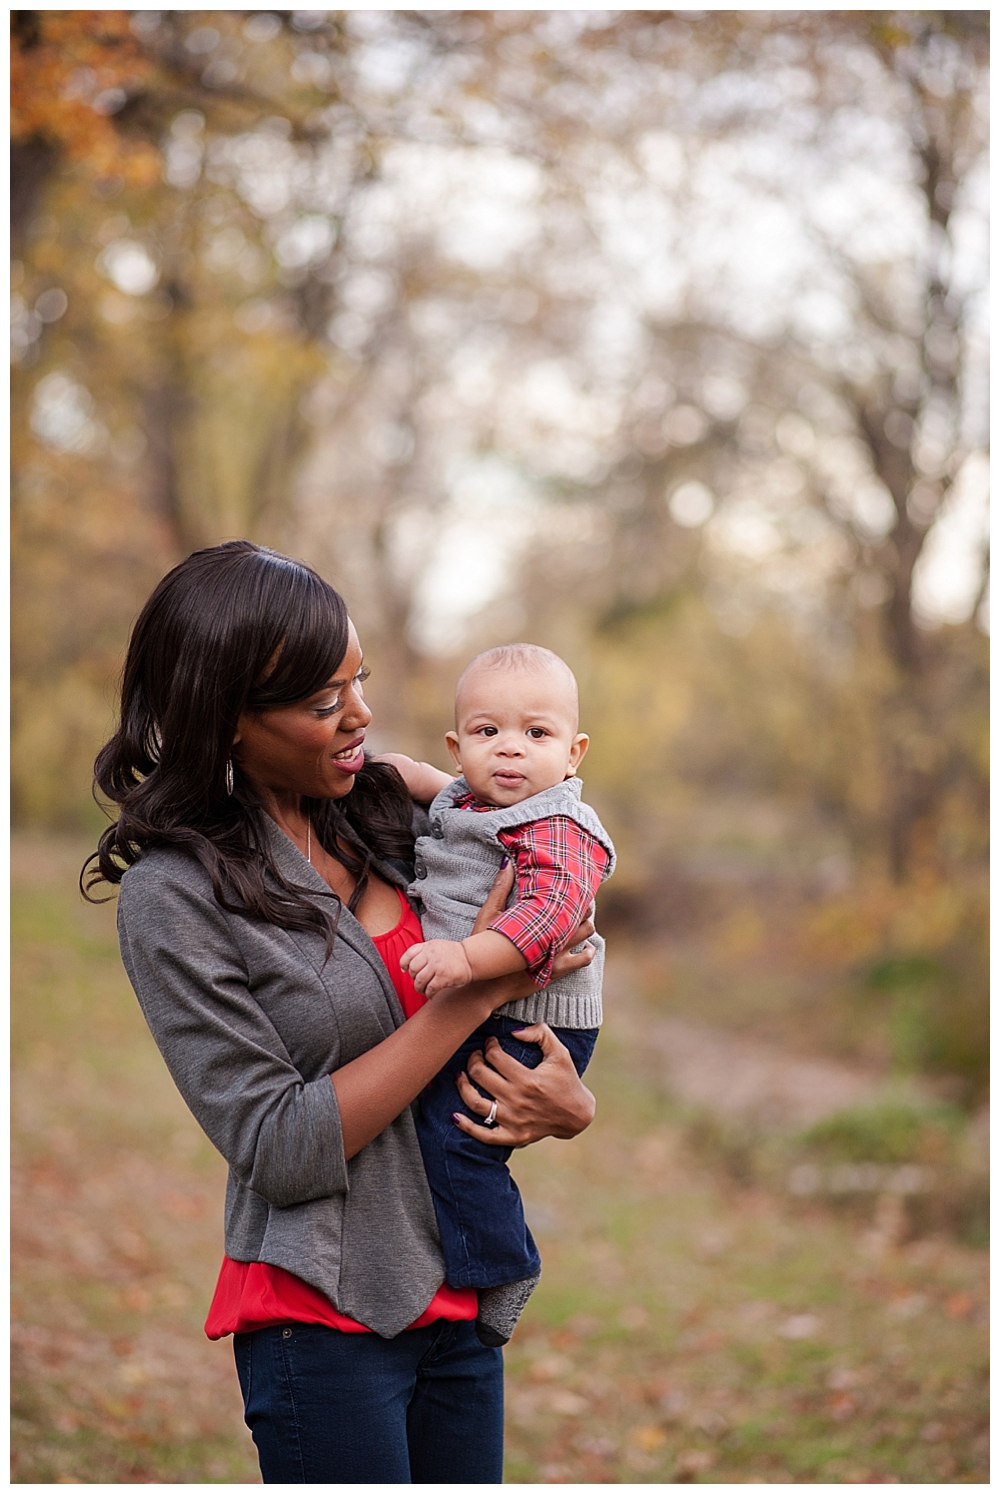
(375, 1088)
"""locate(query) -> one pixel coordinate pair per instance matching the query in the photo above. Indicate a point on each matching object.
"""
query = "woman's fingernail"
(455, 1115)
(505, 862)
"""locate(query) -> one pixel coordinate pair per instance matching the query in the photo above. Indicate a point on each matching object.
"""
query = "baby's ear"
(451, 738)
(577, 752)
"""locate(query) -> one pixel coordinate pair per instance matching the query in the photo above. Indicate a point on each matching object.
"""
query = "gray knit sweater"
(456, 865)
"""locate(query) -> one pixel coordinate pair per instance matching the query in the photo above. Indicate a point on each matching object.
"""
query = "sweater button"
(420, 870)
(286, 1333)
(437, 830)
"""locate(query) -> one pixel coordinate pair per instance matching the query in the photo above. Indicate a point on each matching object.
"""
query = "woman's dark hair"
(232, 629)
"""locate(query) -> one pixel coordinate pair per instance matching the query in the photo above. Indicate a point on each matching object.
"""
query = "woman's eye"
(338, 705)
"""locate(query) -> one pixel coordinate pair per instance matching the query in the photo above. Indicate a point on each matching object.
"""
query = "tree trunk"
(31, 164)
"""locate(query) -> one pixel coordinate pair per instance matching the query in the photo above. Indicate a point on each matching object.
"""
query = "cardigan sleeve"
(280, 1134)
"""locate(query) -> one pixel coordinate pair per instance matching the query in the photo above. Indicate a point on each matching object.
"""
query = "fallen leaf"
(909, 1306)
(649, 1438)
(598, 1447)
(551, 1367)
(713, 1423)
(633, 1317)
(713, 1339)
(565, 1403)
(802, 1325)
(696, 1460)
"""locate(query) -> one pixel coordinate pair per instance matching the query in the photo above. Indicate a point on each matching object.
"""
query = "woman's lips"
(353, 759)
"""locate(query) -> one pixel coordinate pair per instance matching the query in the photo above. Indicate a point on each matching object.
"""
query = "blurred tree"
(658, 304)
(828, 429)
(156, 399)
(70, 73)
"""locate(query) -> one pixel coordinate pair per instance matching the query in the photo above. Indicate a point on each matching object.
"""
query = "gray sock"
(500, 1307)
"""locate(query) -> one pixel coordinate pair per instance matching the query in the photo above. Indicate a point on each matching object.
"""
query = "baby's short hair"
(522, 656)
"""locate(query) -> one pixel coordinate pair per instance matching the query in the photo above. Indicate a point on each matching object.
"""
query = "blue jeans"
(324, 1407)
(484, 1238)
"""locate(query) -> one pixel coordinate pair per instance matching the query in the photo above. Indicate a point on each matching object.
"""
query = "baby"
(517, 747)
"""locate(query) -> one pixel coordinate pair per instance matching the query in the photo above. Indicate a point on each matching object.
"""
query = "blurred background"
(659, 338)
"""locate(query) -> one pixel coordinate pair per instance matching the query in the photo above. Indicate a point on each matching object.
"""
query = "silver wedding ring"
(491, 1119)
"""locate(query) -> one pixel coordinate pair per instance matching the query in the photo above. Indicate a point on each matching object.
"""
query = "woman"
(261, 857)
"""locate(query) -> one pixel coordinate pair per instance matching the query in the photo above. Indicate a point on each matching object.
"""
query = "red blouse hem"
(251, 1295)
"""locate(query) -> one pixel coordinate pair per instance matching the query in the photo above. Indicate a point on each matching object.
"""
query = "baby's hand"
(437, 965)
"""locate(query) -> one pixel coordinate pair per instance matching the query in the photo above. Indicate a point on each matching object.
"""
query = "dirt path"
(734, 1076)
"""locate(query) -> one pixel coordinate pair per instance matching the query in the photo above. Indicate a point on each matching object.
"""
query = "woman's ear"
(451, 737)
(577, 752)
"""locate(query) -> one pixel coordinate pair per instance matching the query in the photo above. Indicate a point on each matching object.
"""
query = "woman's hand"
(548, 1101)
(551, 1100)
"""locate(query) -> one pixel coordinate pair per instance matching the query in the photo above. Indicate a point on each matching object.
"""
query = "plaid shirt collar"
(470, 800)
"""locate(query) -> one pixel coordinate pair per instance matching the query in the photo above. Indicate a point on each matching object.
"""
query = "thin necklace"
(309, 841)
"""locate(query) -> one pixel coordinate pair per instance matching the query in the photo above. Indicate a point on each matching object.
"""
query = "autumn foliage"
(71, 72)
(374, 286)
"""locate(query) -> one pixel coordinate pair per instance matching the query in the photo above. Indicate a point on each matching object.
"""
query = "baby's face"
(516, 733)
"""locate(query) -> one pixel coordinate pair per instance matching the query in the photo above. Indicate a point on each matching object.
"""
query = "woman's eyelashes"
(338, 705)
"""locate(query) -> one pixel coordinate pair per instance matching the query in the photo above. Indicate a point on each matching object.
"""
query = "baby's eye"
(537, 732)
(487, 731)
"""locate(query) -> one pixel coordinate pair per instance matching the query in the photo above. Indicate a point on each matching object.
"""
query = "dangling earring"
(229, 775)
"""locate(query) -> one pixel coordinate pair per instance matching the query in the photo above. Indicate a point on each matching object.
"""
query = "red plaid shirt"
(559, 867)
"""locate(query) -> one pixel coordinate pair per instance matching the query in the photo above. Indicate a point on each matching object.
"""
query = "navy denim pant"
(484, 1238)
(324, 1407)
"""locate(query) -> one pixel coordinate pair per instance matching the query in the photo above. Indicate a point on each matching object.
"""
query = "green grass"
(116, 1219)
(711, 1333)
(687, 1328)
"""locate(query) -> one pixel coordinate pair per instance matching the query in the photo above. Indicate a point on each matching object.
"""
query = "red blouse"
(251, 1294)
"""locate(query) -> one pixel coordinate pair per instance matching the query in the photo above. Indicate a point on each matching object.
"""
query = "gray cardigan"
(251, 1022)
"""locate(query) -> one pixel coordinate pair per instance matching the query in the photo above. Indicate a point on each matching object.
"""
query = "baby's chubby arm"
(423, 782)
(439, 964)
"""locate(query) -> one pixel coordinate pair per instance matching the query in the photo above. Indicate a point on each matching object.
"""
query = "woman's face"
(312, 748)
